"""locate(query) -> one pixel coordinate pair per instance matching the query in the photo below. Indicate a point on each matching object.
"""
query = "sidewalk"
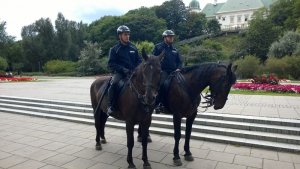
(30, 142)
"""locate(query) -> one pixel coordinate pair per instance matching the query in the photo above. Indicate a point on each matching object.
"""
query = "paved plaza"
(30, 142)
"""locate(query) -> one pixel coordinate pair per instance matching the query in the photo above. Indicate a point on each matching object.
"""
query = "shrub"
(3, 63)
(248, 66)
(266, 79)
(293, 68)
(148, 46)
(89, 62)
(59, 66)
(277, 66)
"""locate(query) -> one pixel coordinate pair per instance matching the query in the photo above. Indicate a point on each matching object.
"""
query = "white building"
(234, 14)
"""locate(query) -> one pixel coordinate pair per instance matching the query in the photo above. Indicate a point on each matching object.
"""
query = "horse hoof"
(189, 158)
(131, 166)
(103, 141)
(177, 162)
(147, 167)
(98, 146)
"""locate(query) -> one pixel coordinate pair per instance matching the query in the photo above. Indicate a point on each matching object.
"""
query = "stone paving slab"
(19, 153)
(77, 90)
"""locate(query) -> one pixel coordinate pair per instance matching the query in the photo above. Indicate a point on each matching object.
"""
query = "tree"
(213, 26)
(173, 11)
(38, 43)
(4, 37)
(284, 13)
(261, 34)
(89, 62)
(286, 46)
(194, 25)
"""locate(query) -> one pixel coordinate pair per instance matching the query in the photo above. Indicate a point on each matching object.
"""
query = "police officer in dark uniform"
(123, 59)
(171, 62)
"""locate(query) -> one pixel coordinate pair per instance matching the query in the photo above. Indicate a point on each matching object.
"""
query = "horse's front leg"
(177, 135)
(130, 143)
(144, 134)
(189, 123)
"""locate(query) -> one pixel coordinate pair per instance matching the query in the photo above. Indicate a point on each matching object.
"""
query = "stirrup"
(159, 109)
(110, 111)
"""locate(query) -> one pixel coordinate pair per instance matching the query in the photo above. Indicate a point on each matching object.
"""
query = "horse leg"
(130, 143)
(189, 123)
(144, 129)
(177, 135)
(102, 129)
(97, 117)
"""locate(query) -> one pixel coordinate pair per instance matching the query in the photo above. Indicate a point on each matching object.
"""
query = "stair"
(264, 132)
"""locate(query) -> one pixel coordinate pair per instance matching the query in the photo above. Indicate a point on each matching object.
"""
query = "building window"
(231, 19)
(223, 18)
(219, 17)
(239, 18)
(246, 18)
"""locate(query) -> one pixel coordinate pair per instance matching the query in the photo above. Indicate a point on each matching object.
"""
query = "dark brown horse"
(183, 97)
(135, 104)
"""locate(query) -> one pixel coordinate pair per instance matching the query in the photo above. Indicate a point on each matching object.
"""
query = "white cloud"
(18, 13)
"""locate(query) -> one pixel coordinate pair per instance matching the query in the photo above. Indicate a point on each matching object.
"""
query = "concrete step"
(267, 127)
(166, 131)
(76, 108)
(61, 102)
(48, 110)
(250, 119)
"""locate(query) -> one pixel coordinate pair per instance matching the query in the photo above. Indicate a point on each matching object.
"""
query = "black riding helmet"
(168, 33)
(122, 29)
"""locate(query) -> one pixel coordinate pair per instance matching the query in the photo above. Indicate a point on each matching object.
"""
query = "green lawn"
(260, 92)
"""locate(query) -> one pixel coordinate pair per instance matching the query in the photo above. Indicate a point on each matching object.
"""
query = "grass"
(261, 92)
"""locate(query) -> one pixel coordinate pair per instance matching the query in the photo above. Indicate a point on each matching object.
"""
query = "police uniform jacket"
(122, 57)
(171, 60)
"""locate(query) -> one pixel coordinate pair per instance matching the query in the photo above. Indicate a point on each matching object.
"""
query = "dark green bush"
(3, 63)
(248, 66)
(59, 66)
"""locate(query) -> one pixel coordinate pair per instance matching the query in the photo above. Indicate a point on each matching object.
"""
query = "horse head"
(221, 83)
(148, 74)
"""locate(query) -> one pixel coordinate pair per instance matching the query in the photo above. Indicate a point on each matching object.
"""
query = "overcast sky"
(19, 13)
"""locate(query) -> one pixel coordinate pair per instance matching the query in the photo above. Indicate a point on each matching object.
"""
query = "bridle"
(142, 97)
(214, 89)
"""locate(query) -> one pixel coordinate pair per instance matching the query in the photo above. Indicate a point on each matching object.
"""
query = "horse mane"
(202, 68)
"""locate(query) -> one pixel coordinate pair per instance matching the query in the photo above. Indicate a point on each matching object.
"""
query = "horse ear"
(234, 68)
(229, 68)
(161, 55)
(144, 55)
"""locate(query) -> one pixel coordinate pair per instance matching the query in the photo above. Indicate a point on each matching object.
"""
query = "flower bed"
(268, 87)
(16, 79)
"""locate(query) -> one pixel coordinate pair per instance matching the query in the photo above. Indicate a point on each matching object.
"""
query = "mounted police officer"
(123, 59)
(170, 63)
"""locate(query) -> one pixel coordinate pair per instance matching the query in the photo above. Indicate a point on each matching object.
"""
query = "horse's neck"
(197, 83)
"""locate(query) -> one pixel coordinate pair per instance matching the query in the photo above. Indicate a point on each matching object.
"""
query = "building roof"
(268, 3)
(239, 5)
(194, 4)
(211, 9)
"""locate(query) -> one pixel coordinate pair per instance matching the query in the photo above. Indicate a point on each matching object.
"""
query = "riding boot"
(111, 108)
(159, 105)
